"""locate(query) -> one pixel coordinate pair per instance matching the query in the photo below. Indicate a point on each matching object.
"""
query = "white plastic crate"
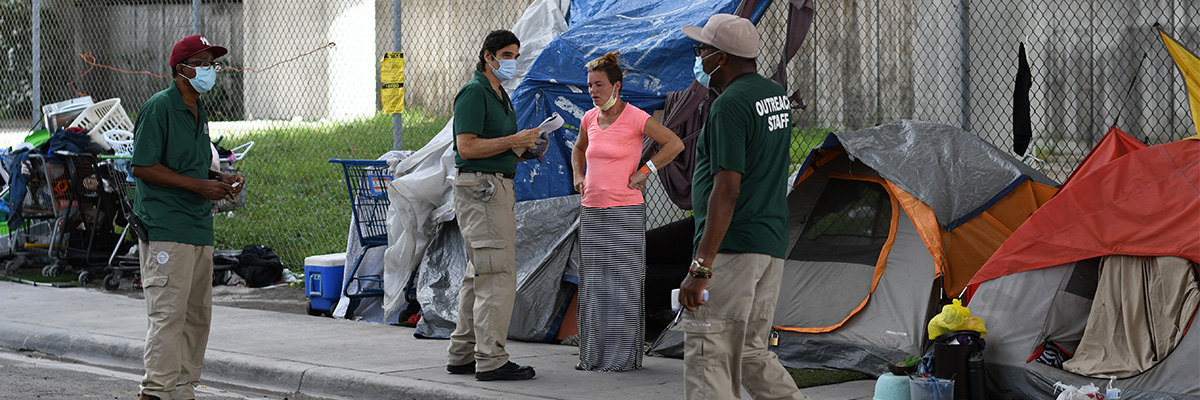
(102, 117)
(120, 141)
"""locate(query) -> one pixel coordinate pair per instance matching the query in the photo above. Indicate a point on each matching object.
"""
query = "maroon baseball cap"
(192, 45)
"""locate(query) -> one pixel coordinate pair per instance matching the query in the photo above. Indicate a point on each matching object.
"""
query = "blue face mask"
(508, 68)
(205, 78)
(698, 70)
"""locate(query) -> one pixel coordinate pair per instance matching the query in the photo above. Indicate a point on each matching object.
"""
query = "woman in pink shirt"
(612, 228)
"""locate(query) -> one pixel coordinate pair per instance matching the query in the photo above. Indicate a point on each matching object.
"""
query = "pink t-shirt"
(612, 155)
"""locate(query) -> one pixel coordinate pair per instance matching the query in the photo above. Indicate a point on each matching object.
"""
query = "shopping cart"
(366, 181)
(84, 228)
(63, 191)
(32, 197)
(118, 181)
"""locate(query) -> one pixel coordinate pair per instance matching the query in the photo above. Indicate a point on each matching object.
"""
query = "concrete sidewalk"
(296, 354)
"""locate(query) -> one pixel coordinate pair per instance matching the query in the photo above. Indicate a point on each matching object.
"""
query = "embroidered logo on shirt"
(162, 257)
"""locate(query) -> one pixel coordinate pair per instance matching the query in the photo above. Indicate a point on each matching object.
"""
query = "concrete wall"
(442, 39)
(133, 38)
(337, 82)
(873, 62)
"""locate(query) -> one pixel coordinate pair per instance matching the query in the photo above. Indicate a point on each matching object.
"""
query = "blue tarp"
(656, 56)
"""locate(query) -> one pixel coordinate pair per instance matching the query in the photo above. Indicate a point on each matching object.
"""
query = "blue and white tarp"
(655, 54)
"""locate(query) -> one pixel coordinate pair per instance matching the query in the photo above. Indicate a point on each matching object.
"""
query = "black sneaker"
(509, 372)
(468, 368)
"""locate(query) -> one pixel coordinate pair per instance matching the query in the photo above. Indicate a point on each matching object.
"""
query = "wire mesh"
(305, 78)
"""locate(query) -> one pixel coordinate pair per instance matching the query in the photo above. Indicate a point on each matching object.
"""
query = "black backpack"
(259, 266)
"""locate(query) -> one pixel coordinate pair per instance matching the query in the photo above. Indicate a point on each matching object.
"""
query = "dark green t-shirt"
(167, 133)
(478, 110)
(748, 131)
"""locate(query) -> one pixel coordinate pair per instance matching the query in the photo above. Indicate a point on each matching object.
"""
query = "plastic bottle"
(675, 306)
(1112, 393)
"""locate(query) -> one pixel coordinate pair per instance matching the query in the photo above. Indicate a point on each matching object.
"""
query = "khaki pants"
(725, 340)
(483, 204)
(177, 281)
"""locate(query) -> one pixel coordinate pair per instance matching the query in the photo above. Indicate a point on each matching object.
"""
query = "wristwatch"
(698, 270)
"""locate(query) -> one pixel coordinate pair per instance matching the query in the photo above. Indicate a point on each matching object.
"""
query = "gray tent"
(883, 221)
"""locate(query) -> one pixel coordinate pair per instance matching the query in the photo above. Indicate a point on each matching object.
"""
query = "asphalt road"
(25, 375)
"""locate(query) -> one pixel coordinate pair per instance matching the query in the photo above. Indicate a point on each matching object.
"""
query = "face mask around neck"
(612, 100)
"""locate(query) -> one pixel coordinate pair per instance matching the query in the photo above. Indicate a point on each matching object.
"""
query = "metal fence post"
(195, 17)
(36, 47)
(398, 118)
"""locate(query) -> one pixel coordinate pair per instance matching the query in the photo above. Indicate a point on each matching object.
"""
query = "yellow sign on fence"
(391, 78)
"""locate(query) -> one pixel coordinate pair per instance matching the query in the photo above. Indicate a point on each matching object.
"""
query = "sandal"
(579, 367)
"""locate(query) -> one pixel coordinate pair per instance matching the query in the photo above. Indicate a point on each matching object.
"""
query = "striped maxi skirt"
(612, 277)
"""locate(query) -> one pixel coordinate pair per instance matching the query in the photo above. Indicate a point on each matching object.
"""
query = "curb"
(258, 373)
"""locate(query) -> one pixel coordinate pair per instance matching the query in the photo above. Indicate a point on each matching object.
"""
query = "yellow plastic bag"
(955, 317)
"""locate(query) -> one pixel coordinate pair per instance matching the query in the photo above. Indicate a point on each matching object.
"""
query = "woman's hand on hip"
(637, 181)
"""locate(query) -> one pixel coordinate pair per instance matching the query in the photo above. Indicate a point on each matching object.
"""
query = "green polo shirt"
(748, 131)
(478, 110)
(167, 133)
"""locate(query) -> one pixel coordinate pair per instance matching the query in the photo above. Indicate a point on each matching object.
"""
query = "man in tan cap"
(739, 192)
(175, 189)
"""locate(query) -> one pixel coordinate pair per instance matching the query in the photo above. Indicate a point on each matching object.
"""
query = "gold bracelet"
(698, 270)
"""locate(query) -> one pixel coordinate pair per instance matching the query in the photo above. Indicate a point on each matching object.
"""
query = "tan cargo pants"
(725, 340)
(483, 204)
(177, 281)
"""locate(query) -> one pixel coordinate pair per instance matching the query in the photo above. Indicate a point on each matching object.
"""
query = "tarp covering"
(951, 170)
(1115, 144)
(656, 57)
(547, 267)
(420, 198)
(1146, 203)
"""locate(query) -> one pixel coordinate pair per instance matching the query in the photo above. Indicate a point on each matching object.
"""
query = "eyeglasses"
(216, 66)
(696, 49)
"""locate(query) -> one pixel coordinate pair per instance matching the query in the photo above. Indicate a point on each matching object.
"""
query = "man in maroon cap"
(175, 189)
(739, 195)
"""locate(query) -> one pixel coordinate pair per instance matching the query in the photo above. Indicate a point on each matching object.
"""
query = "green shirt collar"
(482, 80)
(177, 98)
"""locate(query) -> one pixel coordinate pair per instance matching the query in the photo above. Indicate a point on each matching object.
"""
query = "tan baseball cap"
(727, 32)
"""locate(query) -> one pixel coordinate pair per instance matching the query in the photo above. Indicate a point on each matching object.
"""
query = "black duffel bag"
(259, 266)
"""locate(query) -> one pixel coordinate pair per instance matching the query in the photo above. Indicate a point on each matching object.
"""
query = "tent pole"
(1130, 91)
(964, 59)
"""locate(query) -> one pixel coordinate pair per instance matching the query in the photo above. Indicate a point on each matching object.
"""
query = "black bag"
(259, 266)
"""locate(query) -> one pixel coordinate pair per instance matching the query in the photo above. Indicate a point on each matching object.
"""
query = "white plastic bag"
(1069, 392)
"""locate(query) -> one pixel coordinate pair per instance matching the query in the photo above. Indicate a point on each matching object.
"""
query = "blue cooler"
(323, 280)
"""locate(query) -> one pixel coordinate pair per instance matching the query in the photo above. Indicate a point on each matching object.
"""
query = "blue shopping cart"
(366, 181)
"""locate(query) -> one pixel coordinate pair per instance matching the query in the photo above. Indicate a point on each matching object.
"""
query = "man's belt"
(499, 174)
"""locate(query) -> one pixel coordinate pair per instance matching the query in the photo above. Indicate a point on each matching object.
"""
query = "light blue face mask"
(698, 70)
(205, 78)
(508, 68)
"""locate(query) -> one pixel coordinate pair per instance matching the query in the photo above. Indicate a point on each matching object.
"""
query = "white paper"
(551, 124)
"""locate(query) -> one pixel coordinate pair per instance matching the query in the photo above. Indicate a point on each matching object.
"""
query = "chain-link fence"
(864, 63)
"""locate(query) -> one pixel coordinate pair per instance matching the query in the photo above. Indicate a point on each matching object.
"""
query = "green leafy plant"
(909, 361)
